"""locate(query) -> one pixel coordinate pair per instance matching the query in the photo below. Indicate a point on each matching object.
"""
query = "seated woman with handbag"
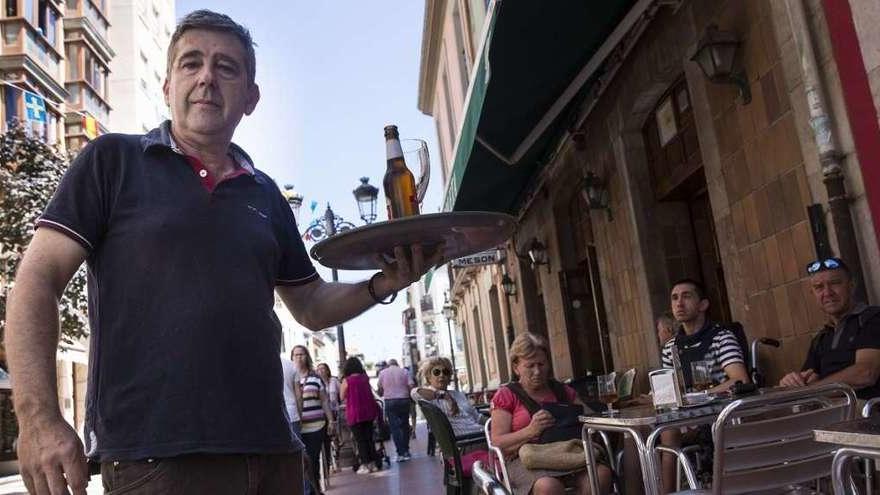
(534, 422)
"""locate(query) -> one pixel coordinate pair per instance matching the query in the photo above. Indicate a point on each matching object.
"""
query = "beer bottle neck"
(393, 151)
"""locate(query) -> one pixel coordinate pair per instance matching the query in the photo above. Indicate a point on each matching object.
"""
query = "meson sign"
(479, 259)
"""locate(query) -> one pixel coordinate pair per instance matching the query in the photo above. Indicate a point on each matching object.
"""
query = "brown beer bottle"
(399, 183)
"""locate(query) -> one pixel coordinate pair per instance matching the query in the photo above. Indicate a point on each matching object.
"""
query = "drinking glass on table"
(607, 385)
(701, 375)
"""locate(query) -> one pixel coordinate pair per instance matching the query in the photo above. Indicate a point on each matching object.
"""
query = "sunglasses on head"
(441, 371)
(826, 264)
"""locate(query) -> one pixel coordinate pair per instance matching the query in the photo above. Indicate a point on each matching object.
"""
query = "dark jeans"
(397, 411)
(363, 436)
(314, 442)
(206, 473)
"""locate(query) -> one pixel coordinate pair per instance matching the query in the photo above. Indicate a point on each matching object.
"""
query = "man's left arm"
(864, 372)
(736, 372)
(320, 304)
(733, 362)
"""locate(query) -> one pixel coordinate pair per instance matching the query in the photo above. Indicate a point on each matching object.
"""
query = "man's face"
(686, 303)
(832, 290)
(207, 88)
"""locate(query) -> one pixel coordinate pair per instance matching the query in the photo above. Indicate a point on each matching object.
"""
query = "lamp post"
(449, 314)
(329, 225)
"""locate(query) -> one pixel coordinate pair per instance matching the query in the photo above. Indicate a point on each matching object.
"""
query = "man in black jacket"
(847, 348)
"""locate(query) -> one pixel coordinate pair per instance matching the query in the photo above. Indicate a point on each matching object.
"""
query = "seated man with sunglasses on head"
(436, 372)
(847, 348)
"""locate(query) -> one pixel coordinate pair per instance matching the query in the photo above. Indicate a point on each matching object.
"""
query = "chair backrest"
(442, 430)
(766, 440)
(498, 455)
(871, 407)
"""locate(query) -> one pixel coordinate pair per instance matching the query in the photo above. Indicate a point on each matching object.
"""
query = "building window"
(10, 104)
(460, 48)
(73, 72)
(671, 140)
(11, 8)
(47, 21)
(29, 10)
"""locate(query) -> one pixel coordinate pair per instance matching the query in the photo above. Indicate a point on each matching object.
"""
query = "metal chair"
(450, 447)
(497, 456)
(765, 441)
(839, 476)
(486, 482)
(867, 411)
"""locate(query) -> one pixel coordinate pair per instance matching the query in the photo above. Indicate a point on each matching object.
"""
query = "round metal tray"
(459, 234)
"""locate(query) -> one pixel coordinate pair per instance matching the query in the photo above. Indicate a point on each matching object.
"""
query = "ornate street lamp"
(366, 194)
(294, 199)
(716, 56)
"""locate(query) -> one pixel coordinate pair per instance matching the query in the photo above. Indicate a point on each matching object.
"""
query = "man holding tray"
(186, 244)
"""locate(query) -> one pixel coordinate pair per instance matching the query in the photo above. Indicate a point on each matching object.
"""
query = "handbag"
(567, 425)
(567, 455)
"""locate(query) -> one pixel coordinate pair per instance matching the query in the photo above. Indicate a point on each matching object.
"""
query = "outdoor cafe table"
(644, 425)
(858, 437)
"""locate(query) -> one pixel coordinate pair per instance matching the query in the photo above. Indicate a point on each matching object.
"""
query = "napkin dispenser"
(665, 389)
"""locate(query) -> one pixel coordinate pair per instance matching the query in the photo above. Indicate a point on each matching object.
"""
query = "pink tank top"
(360, 405)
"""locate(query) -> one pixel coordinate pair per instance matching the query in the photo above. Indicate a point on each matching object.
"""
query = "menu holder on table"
(665, 389)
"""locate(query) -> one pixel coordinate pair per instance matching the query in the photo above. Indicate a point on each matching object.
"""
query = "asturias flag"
(35, 106)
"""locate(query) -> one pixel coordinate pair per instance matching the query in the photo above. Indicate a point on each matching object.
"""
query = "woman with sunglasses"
(436, 373)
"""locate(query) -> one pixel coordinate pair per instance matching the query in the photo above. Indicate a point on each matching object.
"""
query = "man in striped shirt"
(702, 340)
(698, 339)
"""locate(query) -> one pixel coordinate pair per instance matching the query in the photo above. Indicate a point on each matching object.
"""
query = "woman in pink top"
(360, 412)
(513, 426)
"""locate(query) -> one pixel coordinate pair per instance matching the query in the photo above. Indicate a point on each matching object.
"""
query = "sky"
(331, 76)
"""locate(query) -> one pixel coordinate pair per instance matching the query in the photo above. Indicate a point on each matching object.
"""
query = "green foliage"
(30, 171)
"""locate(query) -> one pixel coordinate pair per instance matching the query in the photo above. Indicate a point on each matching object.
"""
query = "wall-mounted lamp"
(508, 285)
(537, 254)
(716, 56)
(595, 193)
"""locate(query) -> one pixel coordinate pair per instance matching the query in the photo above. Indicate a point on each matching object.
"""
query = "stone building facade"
(699, 185)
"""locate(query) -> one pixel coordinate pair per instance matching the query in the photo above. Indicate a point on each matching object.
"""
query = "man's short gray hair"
(213, 21)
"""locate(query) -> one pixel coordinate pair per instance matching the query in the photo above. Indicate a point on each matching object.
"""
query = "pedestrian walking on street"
(395, 384)
(187, 244)
(361, 411)
(316, 418)
(332, 385)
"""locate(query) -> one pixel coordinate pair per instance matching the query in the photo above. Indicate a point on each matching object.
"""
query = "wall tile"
(778, 214)
(751, 216)
(739, 224)
(786, 144)
(771, 321)
(798, 309)
(783, 311)
(794, 207)
(803, 244)
(787, 255)
(758, 326)
(774, 263)
(762, 209)
(759, 267)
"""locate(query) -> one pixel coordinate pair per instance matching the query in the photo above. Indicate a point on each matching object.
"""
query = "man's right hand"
(541, 420)
(51, 457)
(798, 379)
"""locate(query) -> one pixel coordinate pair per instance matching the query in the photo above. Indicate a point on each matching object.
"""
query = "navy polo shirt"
(181, 277)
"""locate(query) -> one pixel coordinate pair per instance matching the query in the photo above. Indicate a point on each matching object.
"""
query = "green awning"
(532, 55)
